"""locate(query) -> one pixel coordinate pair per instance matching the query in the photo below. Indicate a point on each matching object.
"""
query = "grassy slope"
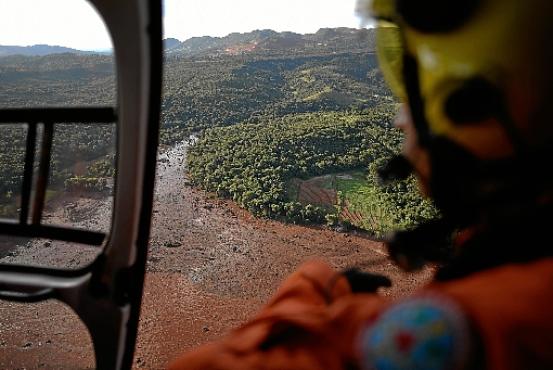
(362, 197)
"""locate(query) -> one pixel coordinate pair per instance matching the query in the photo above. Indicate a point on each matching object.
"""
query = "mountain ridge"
(336, 39)
(41, 50)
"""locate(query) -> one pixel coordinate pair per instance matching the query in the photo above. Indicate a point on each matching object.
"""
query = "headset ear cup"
(396, 169)
(428, 242)
(434, 16)
(475, 101)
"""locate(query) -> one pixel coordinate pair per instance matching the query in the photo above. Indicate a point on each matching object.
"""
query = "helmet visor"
(390, 50)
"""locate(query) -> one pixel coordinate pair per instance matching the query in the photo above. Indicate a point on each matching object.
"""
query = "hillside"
(207, 93)
(326, 40)
(39, 50)
(170, 43)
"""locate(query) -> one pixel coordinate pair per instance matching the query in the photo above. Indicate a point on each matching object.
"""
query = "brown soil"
(211, 266)
(312, 191)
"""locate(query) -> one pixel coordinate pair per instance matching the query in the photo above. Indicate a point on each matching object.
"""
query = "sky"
(75, 24)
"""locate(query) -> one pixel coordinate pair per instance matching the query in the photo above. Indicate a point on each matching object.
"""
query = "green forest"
(200, 94)
(258, 165)
(271, 119)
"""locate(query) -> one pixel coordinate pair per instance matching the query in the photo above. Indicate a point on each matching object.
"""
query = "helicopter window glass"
(82, 177)
(56, 61)
(45, 335)
(76, 78)
(53, 54)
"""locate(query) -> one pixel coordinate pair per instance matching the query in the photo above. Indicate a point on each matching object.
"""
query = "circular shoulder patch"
(418, 334)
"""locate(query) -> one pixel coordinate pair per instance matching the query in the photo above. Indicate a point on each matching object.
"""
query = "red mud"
(210, 267)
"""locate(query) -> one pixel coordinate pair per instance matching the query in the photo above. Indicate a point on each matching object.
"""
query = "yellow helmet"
(476, 74)
(478, 78)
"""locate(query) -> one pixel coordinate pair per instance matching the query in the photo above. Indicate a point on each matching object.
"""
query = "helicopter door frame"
(107, 294)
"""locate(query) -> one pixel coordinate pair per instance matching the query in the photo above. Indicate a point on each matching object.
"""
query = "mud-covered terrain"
(211, 265)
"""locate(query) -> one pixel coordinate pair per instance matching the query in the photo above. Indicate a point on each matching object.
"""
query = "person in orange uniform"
(476, 81)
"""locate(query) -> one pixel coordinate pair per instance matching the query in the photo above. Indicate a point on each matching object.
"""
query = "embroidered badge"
(419, 334)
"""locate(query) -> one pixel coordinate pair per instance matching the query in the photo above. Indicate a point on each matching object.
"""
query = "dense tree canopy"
(253, 163)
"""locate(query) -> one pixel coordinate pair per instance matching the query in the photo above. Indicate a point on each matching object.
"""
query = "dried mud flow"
(210, 266)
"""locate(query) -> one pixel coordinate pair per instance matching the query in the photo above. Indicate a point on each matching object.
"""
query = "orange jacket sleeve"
(312, 323)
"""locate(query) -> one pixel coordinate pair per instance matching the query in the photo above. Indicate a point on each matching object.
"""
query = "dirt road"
(211, 265)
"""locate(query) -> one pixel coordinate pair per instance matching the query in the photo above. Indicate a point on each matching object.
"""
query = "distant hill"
(262, 41)
(170, 43)
(38, 50)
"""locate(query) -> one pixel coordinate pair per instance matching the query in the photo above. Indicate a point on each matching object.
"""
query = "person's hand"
(365, 282)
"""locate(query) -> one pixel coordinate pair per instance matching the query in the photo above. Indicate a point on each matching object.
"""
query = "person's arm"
(311, 323)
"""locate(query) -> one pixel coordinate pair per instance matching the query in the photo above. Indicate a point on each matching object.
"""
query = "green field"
(357, 196)
(360, 201)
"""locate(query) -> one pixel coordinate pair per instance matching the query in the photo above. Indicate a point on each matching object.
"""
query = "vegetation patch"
(360, 203)
(357, 199)
(261, 166)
